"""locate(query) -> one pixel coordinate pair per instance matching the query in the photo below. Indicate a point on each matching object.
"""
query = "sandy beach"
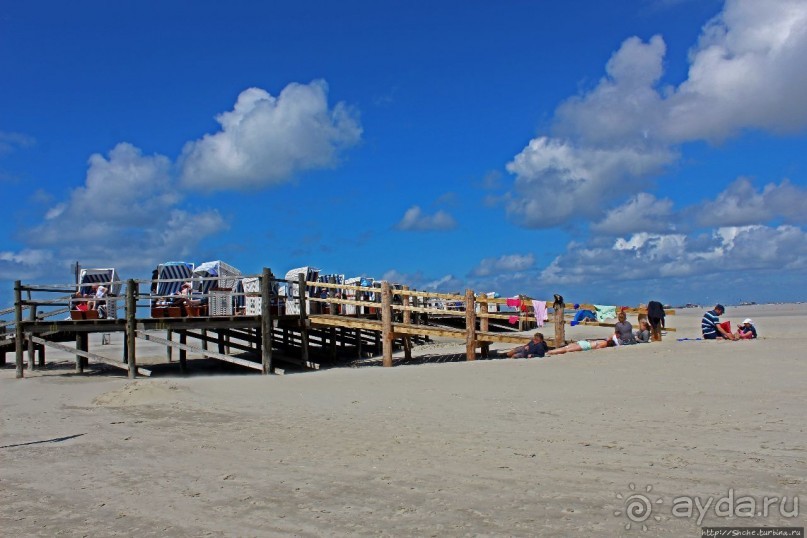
(526, 447)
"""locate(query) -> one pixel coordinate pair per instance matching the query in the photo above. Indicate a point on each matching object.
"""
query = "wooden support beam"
(31, 350)
(18, 326)
(332, 309)
(183, 354)
(169, 351)
(386, 324)
(470, 326)
(211, 354)
(88, 355)
(131, 327)
(266, 321)
(560, 325)
(79, 347)
(303, 315)
(484, 326)
(407, 319)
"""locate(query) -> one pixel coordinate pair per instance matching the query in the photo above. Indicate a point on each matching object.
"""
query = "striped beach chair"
(170, 277)
(217, 274)
(108, 277)
(292, 300)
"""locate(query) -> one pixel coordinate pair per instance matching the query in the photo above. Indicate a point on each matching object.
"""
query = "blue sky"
(614, 152)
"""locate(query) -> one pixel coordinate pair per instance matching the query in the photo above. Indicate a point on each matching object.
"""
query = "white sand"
(504, 447)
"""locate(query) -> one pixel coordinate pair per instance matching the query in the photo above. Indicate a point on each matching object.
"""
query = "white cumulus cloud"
(503, 264)
(126, 214)
(642, 212)
(741, 204)
(746, 72)
(265, 140)
(415, 219)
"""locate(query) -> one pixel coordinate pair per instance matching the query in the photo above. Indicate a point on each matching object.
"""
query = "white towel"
(540, 312)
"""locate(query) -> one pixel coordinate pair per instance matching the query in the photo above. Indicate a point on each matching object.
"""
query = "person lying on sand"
(583, 345)
(535, 348)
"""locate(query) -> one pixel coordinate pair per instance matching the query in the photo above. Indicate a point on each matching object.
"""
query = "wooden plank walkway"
(391, 315)
(403, 329)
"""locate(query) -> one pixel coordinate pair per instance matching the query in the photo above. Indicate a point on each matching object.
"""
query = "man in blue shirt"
(710, 325)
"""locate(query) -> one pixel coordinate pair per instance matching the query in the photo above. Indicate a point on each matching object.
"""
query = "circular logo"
(637, 507)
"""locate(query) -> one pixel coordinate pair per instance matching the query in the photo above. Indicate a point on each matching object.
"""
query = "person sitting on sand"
(535, 348)
(711, 327)
(623, 330)
(746, 329)
(583, 345)
(642, 336)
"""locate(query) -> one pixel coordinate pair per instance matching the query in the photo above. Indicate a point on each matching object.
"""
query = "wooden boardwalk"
(381, 318)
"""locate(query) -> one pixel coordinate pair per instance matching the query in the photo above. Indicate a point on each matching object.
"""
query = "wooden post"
(18, 326)
(266, 321)
(303, 315)
(484, 326)
(407, 320)
(169, 351)
(332, 307)
(560, 325)
(85, 361)
(358, 343)
(424, 316)
(470, 326)
(386, 323)
(79, 347)
(204, 341)
(520, 313)
(131, 327)
(220, 340)
(183, 354)
(31, 346)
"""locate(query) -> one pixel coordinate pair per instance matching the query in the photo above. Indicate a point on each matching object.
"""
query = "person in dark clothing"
(746, 330)
(535, 348)
(655, 316)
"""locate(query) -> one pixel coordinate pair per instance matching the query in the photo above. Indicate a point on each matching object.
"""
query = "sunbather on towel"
(583, 345)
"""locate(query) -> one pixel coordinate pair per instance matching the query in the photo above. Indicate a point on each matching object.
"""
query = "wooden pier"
(395, 316)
